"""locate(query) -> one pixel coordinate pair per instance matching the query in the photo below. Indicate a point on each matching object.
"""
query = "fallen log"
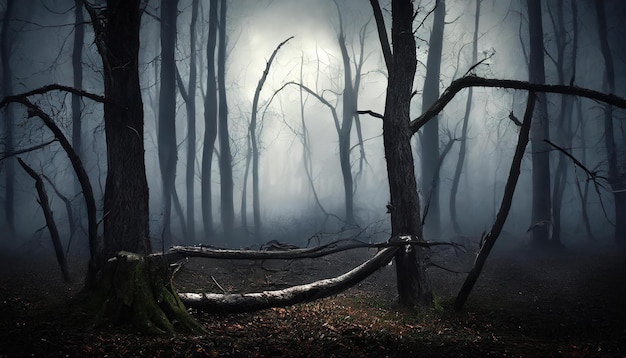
(248, 302)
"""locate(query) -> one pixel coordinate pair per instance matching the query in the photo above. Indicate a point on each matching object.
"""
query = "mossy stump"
(138, 289)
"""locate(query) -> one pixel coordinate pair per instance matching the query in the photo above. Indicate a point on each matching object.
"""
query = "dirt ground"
(568, 303)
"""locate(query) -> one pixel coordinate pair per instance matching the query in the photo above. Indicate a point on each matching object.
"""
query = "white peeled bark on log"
(246, 302)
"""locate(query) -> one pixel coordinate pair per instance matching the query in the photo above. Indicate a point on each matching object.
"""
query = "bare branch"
(26, 150)
(475, 81)
(371, 113)
(50, 88)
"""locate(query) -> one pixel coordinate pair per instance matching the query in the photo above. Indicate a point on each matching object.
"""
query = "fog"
(41, 39)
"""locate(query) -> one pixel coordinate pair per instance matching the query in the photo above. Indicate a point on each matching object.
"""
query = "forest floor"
(568, 303)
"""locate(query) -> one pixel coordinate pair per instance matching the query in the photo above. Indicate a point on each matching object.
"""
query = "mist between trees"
(262, 121)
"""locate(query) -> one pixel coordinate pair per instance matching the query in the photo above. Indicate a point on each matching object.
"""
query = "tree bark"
(225, 158)
(126, 190)
(246, 302)
(189, 96)
(404, 206)
(52, 227)
(7, 90)
(541, 216)
(618, 183)
(348, 110)
(138, 289)
(462, 149)
(166, 136)
(210, 123)
(489, 240)
(253, 135)
(430, 132)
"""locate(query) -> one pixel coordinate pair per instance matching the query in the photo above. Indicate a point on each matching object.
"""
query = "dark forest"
(312, 178)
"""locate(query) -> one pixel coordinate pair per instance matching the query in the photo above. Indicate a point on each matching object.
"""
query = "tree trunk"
(617, 183)
(462, 149)
(253, 138)
(541, 216)
(131, 285)
(126, 190)
(166, 136)
(225, 158)
(349, 108)
(7, 89)
(190, 103)
(430, 133)
(247, 302)
(210, 124)
(77, 70)
(404, 206)
(52, 227)
(138, 289)
(564, 119)
(489, 240)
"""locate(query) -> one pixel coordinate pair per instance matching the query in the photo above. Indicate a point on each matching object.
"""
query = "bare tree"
(168, 151)
(254, 147)
(7, 89)
(430, 133)
(617, 181)
(210, 122)
(189, 96)
(225, 158)
(541, 217)
(463, 145)
(404, 205)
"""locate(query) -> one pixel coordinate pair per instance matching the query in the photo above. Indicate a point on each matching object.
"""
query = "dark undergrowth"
(568, 303)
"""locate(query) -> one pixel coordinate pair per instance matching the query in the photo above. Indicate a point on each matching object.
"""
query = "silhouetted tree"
(404, 205)
(541, 217)
(615, 178)
(225, 158)
(210, 122)
(430, 132)
(7, 89)
(168, 151)
(190, 102)
(463, 144)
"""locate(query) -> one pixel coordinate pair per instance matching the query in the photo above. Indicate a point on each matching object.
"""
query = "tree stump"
(138, 289)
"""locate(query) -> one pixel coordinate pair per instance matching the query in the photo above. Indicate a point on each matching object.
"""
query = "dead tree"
(47, 212)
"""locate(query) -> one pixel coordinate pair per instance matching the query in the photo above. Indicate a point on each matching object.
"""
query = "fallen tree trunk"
(181, 252)
(247, 302)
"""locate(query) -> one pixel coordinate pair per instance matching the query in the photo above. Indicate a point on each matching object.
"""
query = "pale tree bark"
(463, 145)
(430, 133)
(246, 302)
(210, 123)
(617, 181)
(7, 90)
(541, 216)
(225, 158)
(166, 136)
